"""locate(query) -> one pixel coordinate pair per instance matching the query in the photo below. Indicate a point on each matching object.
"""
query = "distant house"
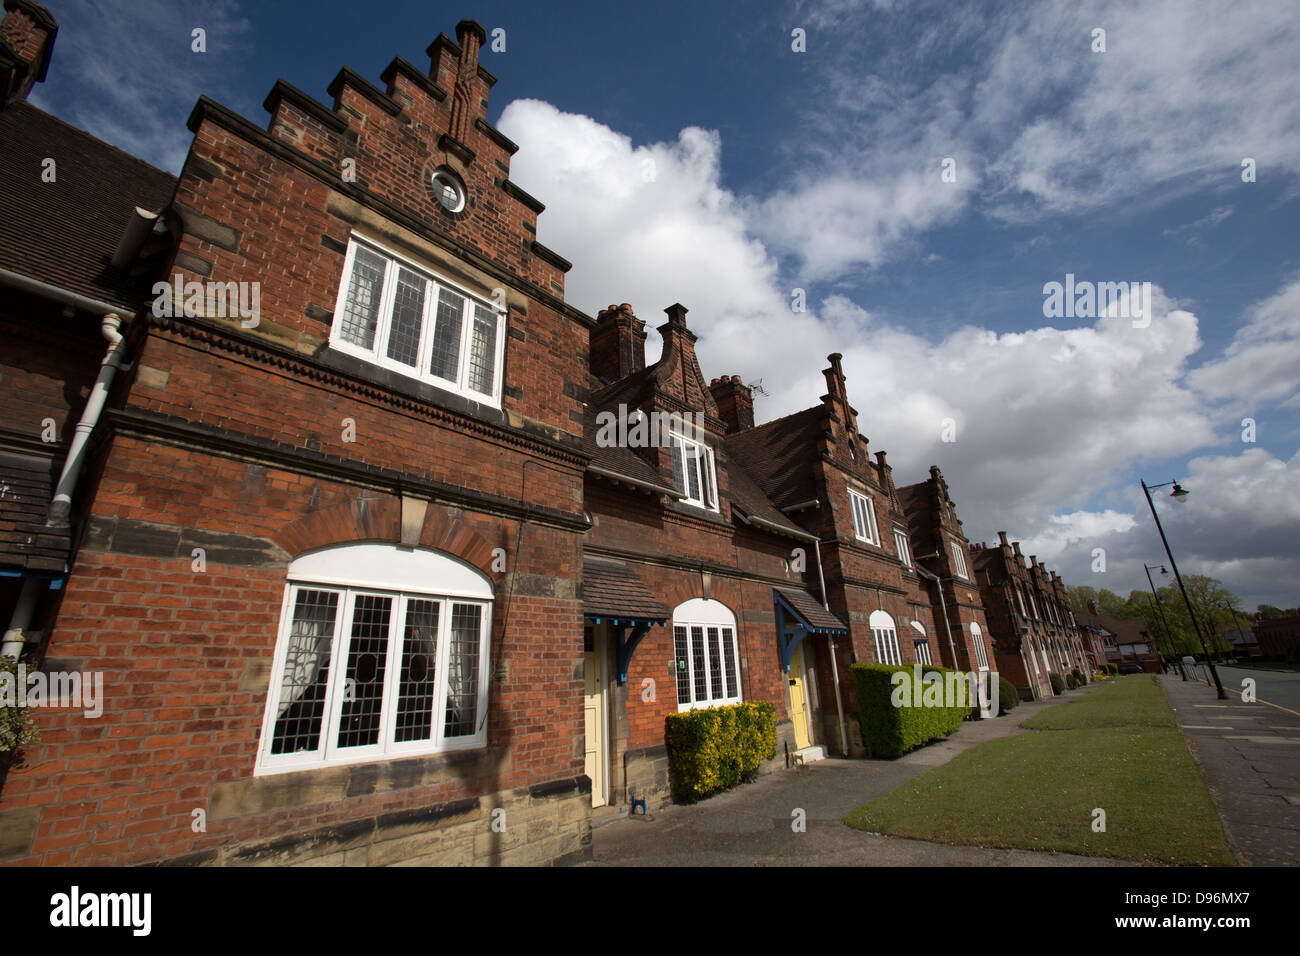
(1124, 639)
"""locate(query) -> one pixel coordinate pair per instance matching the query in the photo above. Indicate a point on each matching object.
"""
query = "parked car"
(1130, 668)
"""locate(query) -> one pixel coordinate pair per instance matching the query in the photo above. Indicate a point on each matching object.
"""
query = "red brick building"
(310, 462)
(1279, 638)
(1034, 631)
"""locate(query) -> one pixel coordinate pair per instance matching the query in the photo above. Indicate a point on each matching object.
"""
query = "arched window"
(885, 637)
(981, 653)
(707, 654)
(922, 644)
(382, 652)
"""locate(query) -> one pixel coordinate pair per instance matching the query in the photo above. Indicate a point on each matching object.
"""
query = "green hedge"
(1112, 669)
(718, 747)
(1058, 682)
(890, 731)
(1008, 696)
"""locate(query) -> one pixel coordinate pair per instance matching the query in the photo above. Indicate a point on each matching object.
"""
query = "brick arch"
(380, 519)
(457, 538)
(358, 519)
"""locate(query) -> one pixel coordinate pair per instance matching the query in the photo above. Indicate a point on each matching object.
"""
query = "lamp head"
(1179, 493)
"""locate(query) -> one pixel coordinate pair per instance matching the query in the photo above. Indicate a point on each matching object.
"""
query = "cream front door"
(798, 708)
(593, 669)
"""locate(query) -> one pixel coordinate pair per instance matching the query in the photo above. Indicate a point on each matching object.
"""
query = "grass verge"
(1116, 749)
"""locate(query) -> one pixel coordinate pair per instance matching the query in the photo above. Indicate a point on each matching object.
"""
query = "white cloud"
(1262, 364)
(1039, 124)
(1048, 419)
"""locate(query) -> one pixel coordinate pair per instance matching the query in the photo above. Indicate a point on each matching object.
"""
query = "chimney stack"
(735, 402)
(617, 346)
(27, 35)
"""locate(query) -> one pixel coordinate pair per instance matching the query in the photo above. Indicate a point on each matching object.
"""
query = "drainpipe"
(61, 507)
(21, 619)
(943, 604)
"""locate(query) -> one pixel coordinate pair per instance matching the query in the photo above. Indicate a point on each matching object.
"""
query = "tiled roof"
(779, 455)
(749, 498)
(1126, 630)
(610, 589)
(617, 459)
(26, 486)
(811, 610)
(64, 232)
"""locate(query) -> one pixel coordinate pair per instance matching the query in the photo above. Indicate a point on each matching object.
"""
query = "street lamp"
(1179, 494)
(1161, 608)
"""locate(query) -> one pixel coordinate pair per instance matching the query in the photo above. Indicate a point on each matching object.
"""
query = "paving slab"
(1252, 772)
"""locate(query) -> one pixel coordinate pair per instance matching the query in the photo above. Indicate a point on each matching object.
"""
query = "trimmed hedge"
(1112, 669)
(1008, 696)
(889, 731)
(1058, 683)
(718, 747)
(1079, 679)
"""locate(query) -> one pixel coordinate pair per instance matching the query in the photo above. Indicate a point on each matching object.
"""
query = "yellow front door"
(798, 712)
(594, 714)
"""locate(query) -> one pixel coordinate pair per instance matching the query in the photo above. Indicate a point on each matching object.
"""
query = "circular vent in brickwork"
(448, 190)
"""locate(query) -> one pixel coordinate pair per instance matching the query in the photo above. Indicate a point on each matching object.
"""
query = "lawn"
(1117, 748)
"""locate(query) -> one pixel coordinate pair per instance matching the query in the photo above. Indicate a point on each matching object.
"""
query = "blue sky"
(687, 153)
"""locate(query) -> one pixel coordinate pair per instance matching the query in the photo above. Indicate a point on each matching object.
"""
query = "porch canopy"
(613, 594)
(799, 614)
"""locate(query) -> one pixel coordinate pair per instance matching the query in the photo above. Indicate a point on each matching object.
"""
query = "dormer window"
(904, 549)
(394, 314)
(693, 472)
(864, 517)
(959, 560)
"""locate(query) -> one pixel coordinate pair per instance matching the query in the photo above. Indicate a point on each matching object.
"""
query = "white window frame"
(699, 457)
(921, 644)
(351, 571)
(1021, 598)
(864, 517)
(959, 560)
(705, 616)
(904, 547)
(884, 635)
(378, 354)
(981, 653)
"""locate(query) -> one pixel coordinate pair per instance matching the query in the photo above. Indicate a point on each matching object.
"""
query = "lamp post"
(1163, 620)
(1179, 494)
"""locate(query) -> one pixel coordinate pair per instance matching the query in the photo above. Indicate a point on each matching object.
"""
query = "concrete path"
(752, 825)
(1249, 755)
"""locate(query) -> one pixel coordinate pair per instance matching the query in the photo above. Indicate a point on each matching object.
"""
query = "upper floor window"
(959, 560)
(921, 644)
(885, 637)
(981, 652)
(864, 517)
(382, 653)
(1020, 598)
(400, 317)
(693, 472)
(904, 549)
(707, 655)
(1033, 605)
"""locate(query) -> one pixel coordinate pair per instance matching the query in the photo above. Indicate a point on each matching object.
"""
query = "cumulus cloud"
(1049, 420)
(1262, 364)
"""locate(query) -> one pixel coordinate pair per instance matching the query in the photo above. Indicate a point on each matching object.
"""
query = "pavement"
(752, 825)
(1249, 754)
